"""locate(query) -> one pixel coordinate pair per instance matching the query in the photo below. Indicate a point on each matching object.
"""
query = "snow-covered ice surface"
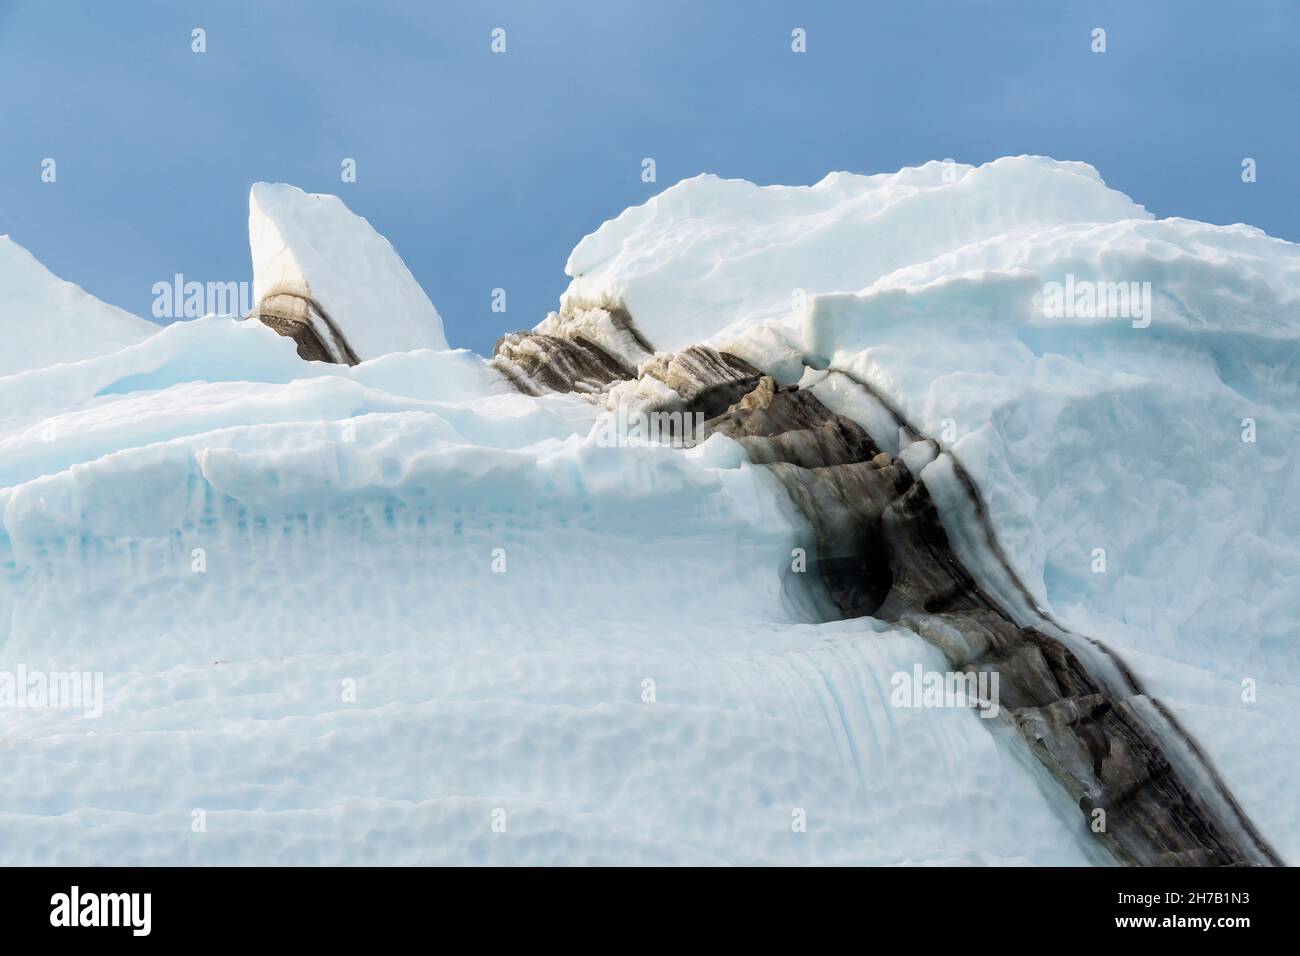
(44, 320)
(709, 256)
(312, 245)
(373, 614)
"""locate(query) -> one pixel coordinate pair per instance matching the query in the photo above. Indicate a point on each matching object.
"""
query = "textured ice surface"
(44, 320)
(348, 521)
(1089, 434)
(312, 245)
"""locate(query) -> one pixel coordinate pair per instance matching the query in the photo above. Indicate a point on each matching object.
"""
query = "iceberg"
(353, 597)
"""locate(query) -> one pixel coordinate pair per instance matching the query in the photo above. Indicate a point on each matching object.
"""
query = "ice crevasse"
(393, 607)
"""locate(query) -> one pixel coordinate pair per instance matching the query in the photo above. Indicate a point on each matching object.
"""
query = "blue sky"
(485, 170)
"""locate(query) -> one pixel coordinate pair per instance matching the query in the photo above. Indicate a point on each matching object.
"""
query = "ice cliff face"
(882, 551)
(401, 604)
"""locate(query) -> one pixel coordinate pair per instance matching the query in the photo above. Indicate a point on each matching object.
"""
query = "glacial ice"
(313, 246)
(44, 320)
(401, 612)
